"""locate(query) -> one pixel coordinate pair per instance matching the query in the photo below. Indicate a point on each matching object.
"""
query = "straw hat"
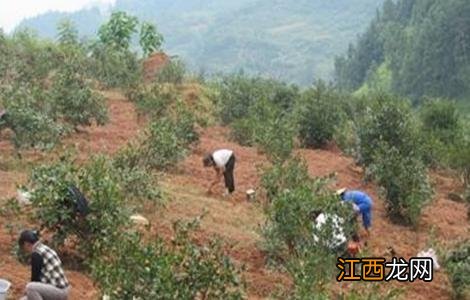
(340, 191)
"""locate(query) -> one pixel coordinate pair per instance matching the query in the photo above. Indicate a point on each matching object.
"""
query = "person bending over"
(223, 162)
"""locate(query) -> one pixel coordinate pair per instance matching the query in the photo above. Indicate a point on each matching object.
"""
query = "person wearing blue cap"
(362, 204)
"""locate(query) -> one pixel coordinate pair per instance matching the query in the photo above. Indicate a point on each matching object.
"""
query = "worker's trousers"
(228, 174)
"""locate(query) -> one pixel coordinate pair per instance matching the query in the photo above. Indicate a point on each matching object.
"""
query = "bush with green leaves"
(114, 67)
(283, 176)
(458, 267)
(149, 38)
(318, 116)
(28, 118)
(137, 269)
(388, 121)
(442, 130)
(153, 100)
(73, 99)
(30, 59)
(161, 148)
(172, 72)
(311, 271)
(55, 211)
(237, 93)
(184, 121)
(135, 179)
(405, 182)
(118, 30)
(441, 119)
(293, 197)
(268, 128)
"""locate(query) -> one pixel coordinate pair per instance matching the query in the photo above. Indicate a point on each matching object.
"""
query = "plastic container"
(4, 287)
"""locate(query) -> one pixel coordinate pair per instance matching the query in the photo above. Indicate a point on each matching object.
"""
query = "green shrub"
(388, 121)
(441, 118)
(237, 93)
(157, 270)
(458, 267)
(28, 119)
(460, 158)
(405, 181)
(54, 211)
(30, 59)
(173, 72)
(284, 176)
(135, 179)
(161, 147)
(114, 67)
(318, 116)
(311, 271)
(184, 122)
(268, 128)
(293, 197)
(153, 100)
(243, 131)
(74, 101)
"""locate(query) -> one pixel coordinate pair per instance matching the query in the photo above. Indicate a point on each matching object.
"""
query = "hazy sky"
(13, 11)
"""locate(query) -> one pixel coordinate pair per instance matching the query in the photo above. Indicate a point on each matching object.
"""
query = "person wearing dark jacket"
(223, 162)
(48, 280)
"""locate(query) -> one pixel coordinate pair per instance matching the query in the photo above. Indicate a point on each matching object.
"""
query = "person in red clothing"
(354, 246)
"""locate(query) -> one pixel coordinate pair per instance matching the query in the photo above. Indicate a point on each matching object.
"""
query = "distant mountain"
(294, 40)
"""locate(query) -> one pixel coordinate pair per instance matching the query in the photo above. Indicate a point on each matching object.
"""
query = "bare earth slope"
(235, 220)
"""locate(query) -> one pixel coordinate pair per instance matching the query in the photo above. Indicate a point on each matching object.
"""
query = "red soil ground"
(153, 64)
(236, 220)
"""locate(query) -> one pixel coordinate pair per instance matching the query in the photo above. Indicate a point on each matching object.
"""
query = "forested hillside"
(290, 40)
(413, 48)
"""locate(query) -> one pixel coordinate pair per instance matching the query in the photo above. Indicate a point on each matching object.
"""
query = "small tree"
(117, 32)
(390, 121)
(150, 40)
(28, 117)
(405, 182)
(318, 116)
(67, 33)
(458, 266)
(441, 118)
(74, 101)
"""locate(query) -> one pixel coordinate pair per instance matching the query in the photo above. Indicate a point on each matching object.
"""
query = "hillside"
(238, 221)
(290, 40)
(412, 48)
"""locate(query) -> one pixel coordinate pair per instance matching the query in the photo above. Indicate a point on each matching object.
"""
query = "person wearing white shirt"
(337, 241)
(223, 162)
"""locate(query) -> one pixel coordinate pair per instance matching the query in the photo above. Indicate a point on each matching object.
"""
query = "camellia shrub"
(458, 266)
(73, 99)
(318, 115)
(28, 119)
(405, 182)
(388, 122)
(55, 207)
(134, 268)
(293, 197)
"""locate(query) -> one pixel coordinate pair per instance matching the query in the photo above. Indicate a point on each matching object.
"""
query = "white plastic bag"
(430, 253)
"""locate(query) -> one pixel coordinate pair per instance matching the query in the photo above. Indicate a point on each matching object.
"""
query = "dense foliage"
(318, 116)
(180, 270)
(412, 48)
(458, 266)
